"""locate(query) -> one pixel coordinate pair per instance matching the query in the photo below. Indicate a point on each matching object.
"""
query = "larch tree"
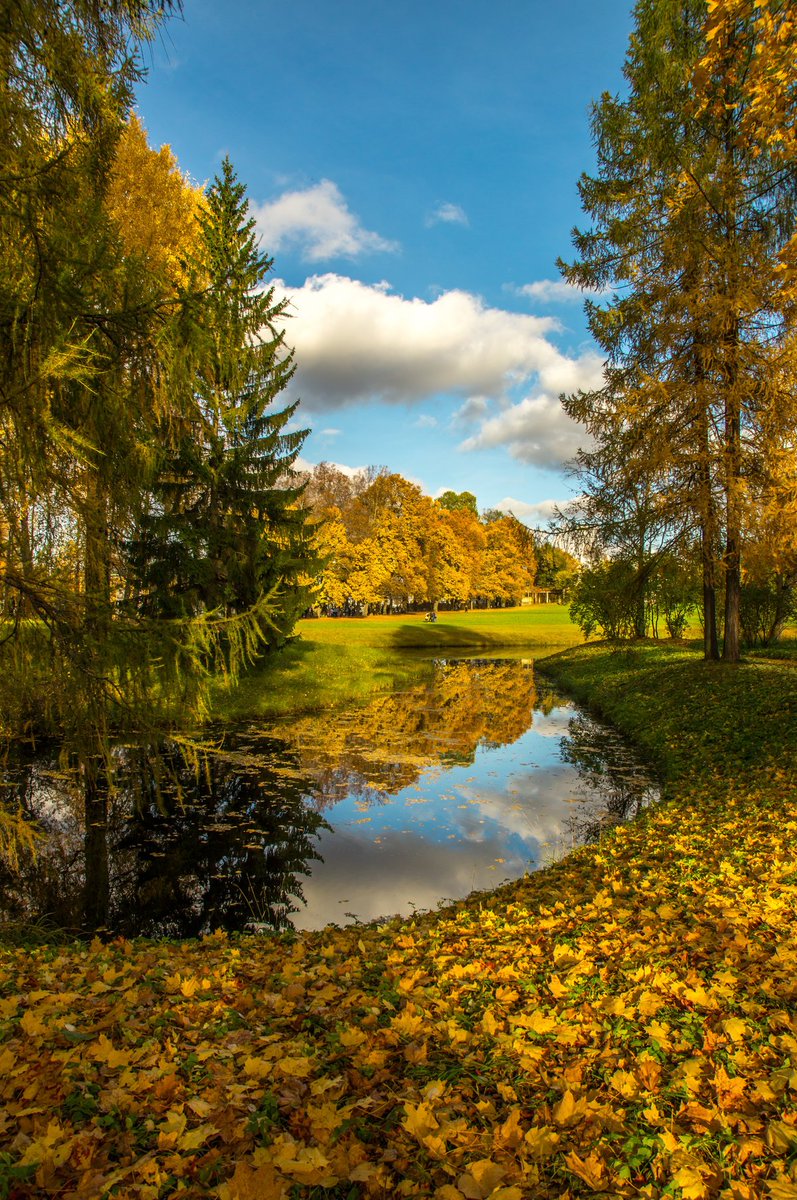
(114, 348)
(689, 221)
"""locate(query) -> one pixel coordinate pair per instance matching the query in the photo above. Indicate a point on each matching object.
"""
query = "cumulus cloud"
(305, 467)
(447, 214)
(536, 431)
(471, 411)
(360, 342)
(552, 291)
(317, 221)
(357, 341)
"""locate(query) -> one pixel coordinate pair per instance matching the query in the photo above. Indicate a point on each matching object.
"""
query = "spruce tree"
(226, 526)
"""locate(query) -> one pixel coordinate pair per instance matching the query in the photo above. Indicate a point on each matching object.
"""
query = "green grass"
(697, 721)
(544, 625)
(342, 661)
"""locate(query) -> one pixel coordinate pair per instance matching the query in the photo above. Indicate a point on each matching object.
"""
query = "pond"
(473, 776)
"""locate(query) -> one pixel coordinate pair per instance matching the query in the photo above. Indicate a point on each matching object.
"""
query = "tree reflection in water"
(376, 751)
(187, 851)
(609, 773)
(229, 845)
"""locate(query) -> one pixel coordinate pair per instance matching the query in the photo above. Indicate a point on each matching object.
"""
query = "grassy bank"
(621, 1024)
(335, 662)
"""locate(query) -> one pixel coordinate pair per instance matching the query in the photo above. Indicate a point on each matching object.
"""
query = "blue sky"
(413, 169)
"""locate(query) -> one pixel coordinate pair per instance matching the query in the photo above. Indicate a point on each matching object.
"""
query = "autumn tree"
(113, 347)
(689, 219)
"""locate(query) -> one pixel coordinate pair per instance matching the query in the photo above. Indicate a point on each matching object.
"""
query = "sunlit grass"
(534, 626)
(335, 662)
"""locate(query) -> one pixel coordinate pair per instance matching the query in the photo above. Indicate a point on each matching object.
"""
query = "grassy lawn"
(619, 1025)
(342, 661)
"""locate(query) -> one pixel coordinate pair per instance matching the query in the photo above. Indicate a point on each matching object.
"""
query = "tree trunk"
(733, 473)
(96, 896)
(706, 509)
(732, 424)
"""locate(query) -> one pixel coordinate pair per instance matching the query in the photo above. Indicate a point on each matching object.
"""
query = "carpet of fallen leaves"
(621, 1024)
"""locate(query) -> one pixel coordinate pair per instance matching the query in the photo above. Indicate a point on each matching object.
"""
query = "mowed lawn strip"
(341, 661)
(620, 1024)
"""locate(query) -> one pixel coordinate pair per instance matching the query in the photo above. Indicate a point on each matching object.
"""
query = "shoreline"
(618, 1024)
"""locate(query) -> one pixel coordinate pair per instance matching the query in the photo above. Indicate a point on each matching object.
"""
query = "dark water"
(473, 777)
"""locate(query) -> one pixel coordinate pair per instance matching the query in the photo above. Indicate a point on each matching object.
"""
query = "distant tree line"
(385, 546)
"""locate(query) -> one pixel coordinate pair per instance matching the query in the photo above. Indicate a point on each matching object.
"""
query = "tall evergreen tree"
(226, 526)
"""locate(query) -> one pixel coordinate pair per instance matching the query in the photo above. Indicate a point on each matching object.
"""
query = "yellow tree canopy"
(153, 205)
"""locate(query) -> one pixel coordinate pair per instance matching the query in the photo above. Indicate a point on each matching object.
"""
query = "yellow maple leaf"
(175, 1122)
(351, 1038)
(420, 1120)
(295, 1068)
(482, 1178)
(590, 1169)
(542, 1141)
(408, 1023)
(254, 1183)
(556, 987)
(435, 1144)
(537, 1022)
(782, 1189)
(308, 1164)
(569, 1110)
(258, 1068)
(626, 1084)
(510, 1133)
(735, 1028)
(363, 1172)
(489, 1023)
(192, 1139)
(52, 1148)
(32, 1024)
(104, 1051)
(781, 1137)
(691, 1184)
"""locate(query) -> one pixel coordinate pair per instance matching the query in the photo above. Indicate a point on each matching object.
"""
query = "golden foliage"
(153, 205)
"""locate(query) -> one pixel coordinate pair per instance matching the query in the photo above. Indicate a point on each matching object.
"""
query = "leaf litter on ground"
(622, 1023)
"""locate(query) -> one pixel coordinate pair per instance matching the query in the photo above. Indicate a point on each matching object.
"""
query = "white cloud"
(357, 342)
(472, 410)
(318, 221)
(305, 466)
(553, 291)
(531, 514)
(424, 421)
(448, 214)
(331, 433)
(535, 431)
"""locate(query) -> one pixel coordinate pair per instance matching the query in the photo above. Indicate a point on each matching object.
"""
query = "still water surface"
(473, 776)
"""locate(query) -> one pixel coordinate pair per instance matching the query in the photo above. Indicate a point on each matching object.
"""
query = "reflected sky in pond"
(472, 777)
(457, 829)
